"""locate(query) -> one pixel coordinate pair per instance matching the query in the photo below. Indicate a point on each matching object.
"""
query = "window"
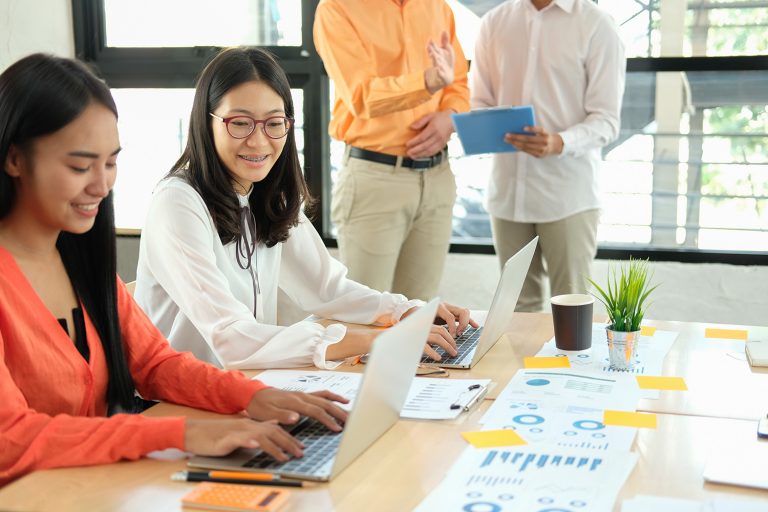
(689, 170)
(200, 23)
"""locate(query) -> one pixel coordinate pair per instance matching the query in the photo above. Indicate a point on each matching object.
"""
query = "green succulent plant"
(625, 295)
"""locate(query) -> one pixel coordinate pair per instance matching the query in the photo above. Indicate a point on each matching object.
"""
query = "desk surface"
(402, 467)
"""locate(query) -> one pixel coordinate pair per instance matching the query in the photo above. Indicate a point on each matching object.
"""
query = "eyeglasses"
(240, 127)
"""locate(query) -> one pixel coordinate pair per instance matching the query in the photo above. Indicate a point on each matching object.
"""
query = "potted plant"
(625, 299)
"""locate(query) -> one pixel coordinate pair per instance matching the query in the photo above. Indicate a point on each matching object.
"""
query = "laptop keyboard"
(320, 446)
(464, 343)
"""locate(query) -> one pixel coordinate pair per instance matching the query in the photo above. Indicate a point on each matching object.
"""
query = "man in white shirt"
(565, 58)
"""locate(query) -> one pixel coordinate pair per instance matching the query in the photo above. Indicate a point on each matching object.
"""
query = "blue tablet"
(482, 131)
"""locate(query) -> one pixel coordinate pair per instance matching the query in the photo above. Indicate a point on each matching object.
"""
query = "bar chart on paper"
(521, 461)
(530, 478)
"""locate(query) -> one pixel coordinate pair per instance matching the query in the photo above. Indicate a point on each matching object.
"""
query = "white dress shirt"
(566, 60)
(193, 289)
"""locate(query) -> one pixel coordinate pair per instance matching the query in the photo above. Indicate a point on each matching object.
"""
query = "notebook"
(757, 353)
(474, 343)
(482, 130)
(743, 465)
(388, 375)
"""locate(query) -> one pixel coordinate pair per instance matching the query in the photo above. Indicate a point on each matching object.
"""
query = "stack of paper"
(428, 399)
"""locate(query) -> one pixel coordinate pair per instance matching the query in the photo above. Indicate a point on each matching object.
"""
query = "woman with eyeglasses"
(74, 346)
(225, 230)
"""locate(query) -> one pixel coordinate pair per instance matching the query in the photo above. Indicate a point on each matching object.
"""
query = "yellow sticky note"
(647, 330)
(666, 383)
(547, 362)
(629, 419)
(729, 334)
(493, 438)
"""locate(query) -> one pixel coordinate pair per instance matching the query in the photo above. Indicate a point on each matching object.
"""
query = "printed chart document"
(650, 355)
(428, 399)
(564, 426)
(562, 387)
(526, 478)
(483, 130)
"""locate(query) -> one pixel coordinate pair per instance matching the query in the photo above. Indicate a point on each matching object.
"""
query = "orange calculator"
(217, 496)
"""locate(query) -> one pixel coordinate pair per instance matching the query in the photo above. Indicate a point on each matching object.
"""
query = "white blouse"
(191, 286)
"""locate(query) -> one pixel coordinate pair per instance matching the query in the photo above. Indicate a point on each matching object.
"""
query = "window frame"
(178, 67)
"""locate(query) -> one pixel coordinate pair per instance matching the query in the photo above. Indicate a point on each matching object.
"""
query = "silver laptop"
(388, 376)
(473, 343)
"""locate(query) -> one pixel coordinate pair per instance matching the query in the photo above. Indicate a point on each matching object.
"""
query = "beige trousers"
(394, 224)
(565, 253)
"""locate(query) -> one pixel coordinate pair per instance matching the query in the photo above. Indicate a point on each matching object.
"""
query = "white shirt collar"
(566, 5)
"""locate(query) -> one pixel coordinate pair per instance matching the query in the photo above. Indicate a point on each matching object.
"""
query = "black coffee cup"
(572, 317)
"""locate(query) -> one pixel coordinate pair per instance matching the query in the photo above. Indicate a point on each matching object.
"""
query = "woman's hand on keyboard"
(455, 318)
(440, 337)
(220, 437)
(288, 406)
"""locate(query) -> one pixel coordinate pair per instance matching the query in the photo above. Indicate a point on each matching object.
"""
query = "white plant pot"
(622, 349)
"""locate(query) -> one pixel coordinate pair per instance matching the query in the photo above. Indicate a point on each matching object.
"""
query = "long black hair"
(276, 200)
(39, 95)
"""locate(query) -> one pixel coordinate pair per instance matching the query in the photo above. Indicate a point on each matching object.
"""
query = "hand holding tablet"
(483, 130)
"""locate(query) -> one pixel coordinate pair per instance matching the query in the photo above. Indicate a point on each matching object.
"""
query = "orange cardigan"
(53, 402)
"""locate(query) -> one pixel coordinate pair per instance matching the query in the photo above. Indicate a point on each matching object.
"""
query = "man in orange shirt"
(399, 73)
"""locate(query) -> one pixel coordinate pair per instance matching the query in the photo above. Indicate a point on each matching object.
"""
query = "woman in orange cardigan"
(74, 346)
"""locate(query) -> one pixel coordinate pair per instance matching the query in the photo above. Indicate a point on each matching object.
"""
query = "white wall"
(29, 26)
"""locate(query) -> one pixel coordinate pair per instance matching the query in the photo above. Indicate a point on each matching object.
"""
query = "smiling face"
(62, 177)
(250, 159)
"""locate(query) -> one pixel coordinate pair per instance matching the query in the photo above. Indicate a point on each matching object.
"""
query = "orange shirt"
(53, 401)
(375, 53)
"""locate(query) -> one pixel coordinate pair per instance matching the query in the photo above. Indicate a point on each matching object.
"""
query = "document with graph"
(563, 425)
(428, 399)
(560, 388)
(529, 478)
(651, 351)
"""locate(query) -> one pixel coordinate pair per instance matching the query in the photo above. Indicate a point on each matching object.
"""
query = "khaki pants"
(565, 252)
(394, 224)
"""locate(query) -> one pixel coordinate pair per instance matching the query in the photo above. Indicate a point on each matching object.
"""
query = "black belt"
(383, 158)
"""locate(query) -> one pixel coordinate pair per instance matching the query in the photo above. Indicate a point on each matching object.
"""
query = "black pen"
(472, 401)
(230, 477)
